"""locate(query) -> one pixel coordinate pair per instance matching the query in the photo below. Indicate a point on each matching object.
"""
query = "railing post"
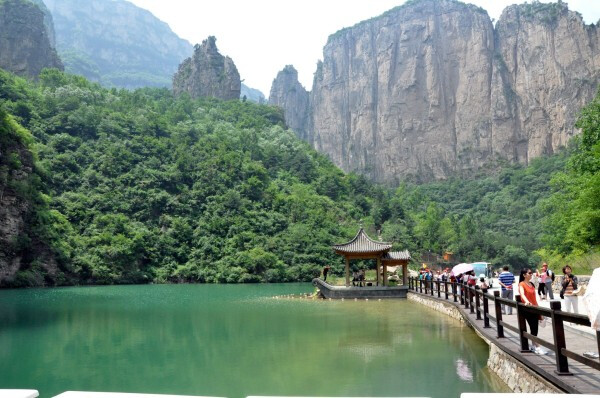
(498, 310)
(454, 292)
(439, 287)
(420, 285)
(467, 296)
(477, 302)
(522, 324)
(558, 329)
(462, 293)
(432, 282)
(472, 293)
(486, 310)
(446, 289)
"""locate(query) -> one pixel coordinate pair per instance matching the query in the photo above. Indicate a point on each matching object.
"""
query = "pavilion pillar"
(377, 271)
(385, 281)
(347, 272)
(405, 274)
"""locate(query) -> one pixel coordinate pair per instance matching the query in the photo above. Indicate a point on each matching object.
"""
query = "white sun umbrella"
(591, 299)
(462, 268)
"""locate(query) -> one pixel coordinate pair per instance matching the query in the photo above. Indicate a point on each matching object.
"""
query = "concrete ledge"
(355, 292)
(503, 395)
(19, 393)
(94, 394)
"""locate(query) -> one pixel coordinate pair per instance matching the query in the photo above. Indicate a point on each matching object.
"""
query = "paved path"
(585, 380)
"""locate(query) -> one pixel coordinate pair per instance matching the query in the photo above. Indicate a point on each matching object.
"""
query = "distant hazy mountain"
(116, 43)
(252, 94)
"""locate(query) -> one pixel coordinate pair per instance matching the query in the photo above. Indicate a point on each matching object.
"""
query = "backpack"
(550, 274)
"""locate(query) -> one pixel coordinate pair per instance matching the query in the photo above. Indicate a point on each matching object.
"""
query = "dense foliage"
(159, 189)
(141, 187)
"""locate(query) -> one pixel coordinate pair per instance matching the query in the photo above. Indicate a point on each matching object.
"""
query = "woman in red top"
(529, 298)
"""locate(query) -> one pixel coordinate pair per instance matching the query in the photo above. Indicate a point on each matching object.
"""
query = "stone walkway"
(585, 380)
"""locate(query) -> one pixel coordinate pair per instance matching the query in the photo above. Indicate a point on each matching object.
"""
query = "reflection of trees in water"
(234, 349)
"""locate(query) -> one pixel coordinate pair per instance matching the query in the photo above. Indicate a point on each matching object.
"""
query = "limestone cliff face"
(431, 88)
(288, 93)
(550, 68)
(208, 74)
(25, 45)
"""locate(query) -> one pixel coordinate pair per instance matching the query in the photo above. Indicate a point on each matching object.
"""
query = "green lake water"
(233, 341)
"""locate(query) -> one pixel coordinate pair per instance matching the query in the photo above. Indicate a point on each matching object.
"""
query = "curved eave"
(362, 244)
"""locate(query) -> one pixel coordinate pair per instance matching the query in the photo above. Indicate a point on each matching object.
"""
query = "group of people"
(529, 293)
(445, 275)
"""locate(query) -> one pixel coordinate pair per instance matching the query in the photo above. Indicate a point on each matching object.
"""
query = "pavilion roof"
(398, 256)
(362, 244)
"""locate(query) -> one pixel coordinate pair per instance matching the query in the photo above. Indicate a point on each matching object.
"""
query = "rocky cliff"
(116, 43)
(289, 94)
(207, 74)
(25, 45)
(432, 88)
(25, 260)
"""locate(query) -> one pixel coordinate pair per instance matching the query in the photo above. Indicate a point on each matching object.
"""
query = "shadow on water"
(233, 341)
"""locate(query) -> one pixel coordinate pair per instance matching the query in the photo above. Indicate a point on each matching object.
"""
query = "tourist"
(528, 297)
(482, 283)
(354, 278)
(569, 285)
(506, 280)
(325, 272)
(445, 275)
(471, 278)
(542, 286)
(361, 277)
(548, 281)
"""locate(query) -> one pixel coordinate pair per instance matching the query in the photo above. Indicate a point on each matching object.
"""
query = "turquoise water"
(232, 341)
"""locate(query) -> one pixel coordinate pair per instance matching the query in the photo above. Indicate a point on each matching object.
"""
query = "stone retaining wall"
(518, 377)
(440, 306)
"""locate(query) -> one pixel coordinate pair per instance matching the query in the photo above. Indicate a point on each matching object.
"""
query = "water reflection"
(232, 341)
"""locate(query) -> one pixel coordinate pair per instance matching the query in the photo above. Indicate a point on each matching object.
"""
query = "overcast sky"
(262, 36)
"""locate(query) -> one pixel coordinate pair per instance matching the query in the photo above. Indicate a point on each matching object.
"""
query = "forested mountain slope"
(138, 187)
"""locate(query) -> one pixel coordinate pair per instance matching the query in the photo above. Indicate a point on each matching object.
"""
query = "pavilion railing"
(478, 302)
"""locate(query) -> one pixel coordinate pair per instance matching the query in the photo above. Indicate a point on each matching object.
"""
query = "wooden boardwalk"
(584, 380)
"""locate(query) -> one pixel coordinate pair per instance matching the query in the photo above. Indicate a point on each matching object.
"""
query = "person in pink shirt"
(542, 286)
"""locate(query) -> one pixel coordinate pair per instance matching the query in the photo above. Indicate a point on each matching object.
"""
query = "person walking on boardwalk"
(529, 298)
(542, 286)
(548, 281)
(325, 272)
(569, 285)
(506, 280)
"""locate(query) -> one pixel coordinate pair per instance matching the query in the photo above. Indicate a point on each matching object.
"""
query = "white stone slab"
(96, 394)
(19, 393)
(518, 395)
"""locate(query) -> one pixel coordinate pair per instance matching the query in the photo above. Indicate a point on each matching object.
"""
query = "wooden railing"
(477, 301)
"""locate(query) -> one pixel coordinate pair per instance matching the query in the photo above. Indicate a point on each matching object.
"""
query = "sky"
(262, 36)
